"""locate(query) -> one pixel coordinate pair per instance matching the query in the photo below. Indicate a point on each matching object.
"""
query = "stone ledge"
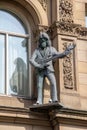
(68, 116)
(23, 116)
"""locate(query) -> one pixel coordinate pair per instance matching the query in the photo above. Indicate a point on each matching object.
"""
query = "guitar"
(61, 55)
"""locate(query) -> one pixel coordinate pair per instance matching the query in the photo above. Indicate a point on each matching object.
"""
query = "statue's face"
(43, 45)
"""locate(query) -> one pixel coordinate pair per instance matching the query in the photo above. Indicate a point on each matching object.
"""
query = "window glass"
(86, 15)
(17, 66)
(2, 64)
(10, 22)
(86, 20)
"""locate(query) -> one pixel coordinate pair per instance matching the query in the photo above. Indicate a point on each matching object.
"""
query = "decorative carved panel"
(68, 69)
(66, 11)
(44, 4)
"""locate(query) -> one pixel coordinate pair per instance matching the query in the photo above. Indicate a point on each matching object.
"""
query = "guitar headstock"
(71, 47)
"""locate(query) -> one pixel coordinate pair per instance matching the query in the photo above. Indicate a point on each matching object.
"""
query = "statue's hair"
(46, 37)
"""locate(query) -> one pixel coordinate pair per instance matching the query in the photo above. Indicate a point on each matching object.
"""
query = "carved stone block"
(66, 11)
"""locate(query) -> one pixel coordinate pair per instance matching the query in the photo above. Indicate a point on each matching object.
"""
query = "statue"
(42, 60)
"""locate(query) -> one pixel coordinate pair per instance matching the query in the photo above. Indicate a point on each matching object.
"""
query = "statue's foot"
(37, 103)
(51, 101)
(55, 101)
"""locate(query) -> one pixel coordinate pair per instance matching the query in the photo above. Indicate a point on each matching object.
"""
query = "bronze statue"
(42, 60)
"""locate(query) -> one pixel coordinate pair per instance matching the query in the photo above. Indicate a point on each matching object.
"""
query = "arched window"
(13, 55)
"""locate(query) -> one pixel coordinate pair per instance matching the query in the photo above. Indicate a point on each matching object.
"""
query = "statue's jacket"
(39, 55)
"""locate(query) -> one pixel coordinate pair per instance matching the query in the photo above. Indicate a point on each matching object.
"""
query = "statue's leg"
(53, 86)
(40, 79)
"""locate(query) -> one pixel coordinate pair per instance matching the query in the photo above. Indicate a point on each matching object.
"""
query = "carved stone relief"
(66, 11)
(68, 69)
(44, 4)
(81, 31)
(69, 29)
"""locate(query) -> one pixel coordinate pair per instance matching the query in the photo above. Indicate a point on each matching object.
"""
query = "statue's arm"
(63, 54)
(68, 50)
(57, 53)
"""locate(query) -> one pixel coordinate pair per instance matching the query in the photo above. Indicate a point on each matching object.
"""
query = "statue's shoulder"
(37, 51)
(52, 48)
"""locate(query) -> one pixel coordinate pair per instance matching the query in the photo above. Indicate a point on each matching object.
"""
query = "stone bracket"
(46, 108)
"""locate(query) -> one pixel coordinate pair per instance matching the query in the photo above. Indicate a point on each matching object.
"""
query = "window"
(13, 55)
(86, 15)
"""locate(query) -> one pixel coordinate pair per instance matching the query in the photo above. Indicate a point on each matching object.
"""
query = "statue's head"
(44, 40)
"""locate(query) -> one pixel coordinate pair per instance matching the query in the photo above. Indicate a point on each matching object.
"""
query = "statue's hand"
(70, 47)
(40, 66)
(67, 52)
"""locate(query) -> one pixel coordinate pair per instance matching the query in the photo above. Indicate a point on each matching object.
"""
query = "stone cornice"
(69, 116)
(71, 29)
(23, 116)
(26, 116)
(74, 112)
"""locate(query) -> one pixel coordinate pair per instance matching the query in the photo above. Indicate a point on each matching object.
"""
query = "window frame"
(86, 15)
(7, 34)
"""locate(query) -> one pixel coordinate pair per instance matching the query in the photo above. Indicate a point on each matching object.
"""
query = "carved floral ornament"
(68, 70)
(66, 11)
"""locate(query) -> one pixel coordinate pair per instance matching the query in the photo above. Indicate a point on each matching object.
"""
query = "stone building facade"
(64, 21)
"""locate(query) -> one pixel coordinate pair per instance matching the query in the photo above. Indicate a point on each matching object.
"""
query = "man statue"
(42, 60)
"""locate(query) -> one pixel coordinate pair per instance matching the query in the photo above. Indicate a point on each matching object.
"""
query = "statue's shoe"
(37, 103)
